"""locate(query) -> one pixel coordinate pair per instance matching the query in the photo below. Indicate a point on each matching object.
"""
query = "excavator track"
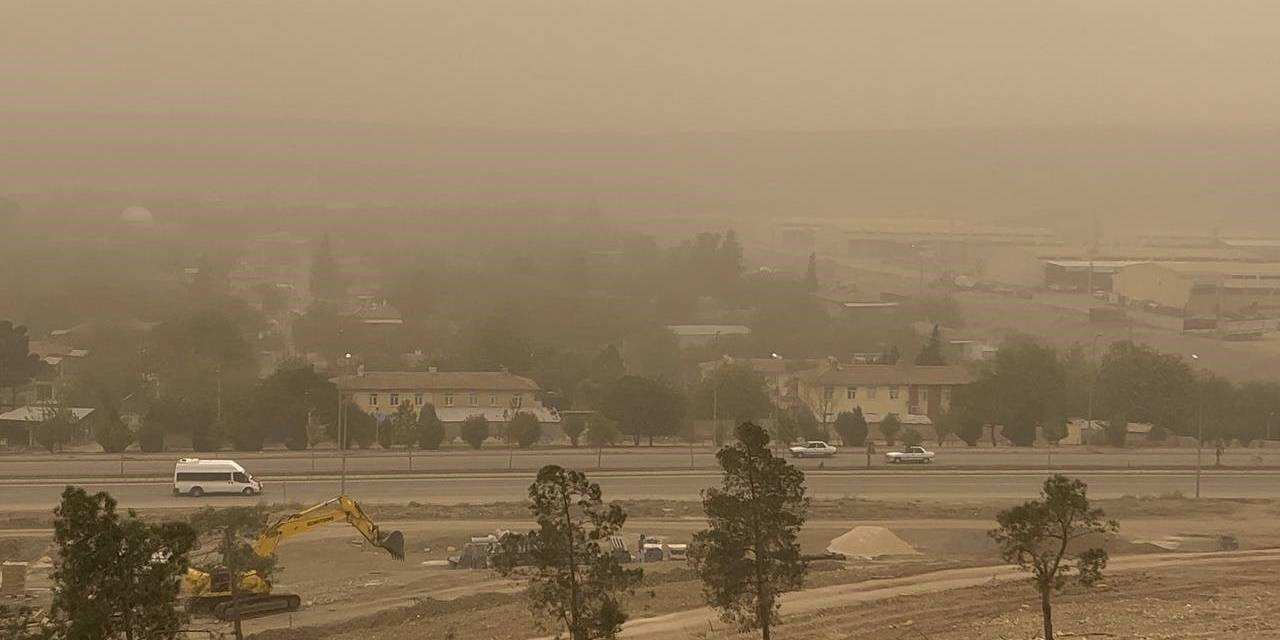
(256, 606)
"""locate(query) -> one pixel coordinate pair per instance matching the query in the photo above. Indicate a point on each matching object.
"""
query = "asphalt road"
(914, 483)
(624, 458)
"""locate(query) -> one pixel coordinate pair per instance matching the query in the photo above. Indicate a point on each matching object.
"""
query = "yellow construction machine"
(210, 592)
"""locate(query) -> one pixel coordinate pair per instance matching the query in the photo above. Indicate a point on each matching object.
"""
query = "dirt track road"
(687, 623)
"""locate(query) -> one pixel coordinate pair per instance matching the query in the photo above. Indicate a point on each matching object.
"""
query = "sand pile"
(870, 542)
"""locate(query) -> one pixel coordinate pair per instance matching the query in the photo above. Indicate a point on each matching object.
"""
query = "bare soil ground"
(352, 592)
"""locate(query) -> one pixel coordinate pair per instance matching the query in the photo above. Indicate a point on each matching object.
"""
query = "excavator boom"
(337, 509)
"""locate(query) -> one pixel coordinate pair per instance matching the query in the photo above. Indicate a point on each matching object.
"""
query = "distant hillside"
(1192, 178)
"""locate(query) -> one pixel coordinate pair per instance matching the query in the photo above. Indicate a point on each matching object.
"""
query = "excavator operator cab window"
(240, 477)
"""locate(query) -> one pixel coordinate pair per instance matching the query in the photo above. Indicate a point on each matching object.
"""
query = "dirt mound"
(870, 542)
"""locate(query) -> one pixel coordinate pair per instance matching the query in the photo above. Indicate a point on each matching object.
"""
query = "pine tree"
(575, 577)
(1044, 537)
(931, 354)
(750, 553)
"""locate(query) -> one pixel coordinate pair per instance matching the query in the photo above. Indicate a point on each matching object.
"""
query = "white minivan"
(195, 477)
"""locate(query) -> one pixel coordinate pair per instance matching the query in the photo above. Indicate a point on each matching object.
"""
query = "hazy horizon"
(612, 66)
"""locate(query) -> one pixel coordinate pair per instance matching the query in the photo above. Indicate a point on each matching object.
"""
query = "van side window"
(240, 477)
(203, 476)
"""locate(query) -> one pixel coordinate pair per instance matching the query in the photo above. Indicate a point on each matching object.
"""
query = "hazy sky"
(644, 65)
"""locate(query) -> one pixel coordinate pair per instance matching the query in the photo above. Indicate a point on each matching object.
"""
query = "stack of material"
(870, 542)
(13, 579)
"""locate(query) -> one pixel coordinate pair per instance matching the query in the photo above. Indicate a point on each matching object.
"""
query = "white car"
(911, 454)
(813, 449)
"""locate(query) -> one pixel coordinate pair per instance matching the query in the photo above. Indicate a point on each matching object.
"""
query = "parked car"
(911, 454)
(813, 449)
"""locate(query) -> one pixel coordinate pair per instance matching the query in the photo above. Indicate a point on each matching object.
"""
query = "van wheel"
(195, 492)
(248, 491)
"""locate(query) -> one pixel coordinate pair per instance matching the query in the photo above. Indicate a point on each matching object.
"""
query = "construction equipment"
(210, 592)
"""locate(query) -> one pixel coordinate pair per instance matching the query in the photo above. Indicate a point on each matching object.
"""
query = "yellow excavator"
(210, 592)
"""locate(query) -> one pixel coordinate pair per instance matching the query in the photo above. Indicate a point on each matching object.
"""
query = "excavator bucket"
(394, 544)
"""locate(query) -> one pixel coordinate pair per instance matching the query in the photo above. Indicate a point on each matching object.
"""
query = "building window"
(924, 397)
(475, 400)
(871, 393)
(493, 399)
(395, 399)
(946, 395)
(44, 392)
(893, 392)
(828, 393)
(417, 399)
(373, 399)
(517, 400)
(852, 393)
(448, 399)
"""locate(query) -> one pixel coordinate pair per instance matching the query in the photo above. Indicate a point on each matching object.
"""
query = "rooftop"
(435, 380)
(883, 374)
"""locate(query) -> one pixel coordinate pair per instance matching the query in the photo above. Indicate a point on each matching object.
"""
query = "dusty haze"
(1003, 109)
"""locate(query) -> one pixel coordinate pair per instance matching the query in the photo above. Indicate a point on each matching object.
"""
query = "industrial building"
(1202, 289)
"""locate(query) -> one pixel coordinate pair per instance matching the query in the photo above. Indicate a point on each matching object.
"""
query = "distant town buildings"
(456, 395)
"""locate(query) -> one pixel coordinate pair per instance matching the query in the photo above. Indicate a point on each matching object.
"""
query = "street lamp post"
(342, 430)
(1199, 426)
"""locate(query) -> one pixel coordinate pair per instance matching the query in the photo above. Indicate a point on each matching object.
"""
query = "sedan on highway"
(813, 449)
(910, 454)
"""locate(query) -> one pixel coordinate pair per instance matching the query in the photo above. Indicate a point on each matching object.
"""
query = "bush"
(112, 434)
(361, 427)
(430, 429)
(890, 425)
(209, 437)
(246, 436)
(1117, 430)
(525, 429)
(969, 429)
(151, 434)
(911, 438)
(56, 430)
(574, 427)
(474, 431)
(602, 432)
(852, 428)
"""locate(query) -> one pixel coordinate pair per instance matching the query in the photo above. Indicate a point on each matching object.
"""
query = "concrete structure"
(1203, 288)
(907, 390)
(456, 395)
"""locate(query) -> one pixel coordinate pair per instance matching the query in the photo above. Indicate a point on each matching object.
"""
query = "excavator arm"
(338, 509)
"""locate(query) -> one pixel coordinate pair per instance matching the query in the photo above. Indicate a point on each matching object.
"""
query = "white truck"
(813, 449)
(910, 454)
(195, 477)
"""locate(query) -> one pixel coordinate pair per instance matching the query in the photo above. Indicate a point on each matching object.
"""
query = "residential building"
(456, 395)
(916, 393)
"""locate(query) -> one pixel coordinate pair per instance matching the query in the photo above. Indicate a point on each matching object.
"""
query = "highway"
(323, 462)
(907, 484)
